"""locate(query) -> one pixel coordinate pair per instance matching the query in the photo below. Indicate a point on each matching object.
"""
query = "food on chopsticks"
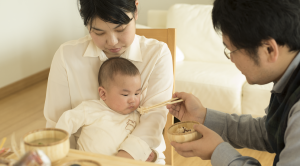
(142, 110)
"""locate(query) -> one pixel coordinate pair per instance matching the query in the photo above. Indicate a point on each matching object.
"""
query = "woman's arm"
(148, 133)
(58, 94)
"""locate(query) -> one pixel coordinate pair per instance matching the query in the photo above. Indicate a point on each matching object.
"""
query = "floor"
(23, 111)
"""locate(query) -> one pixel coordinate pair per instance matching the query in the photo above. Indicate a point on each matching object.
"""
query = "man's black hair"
(248, 22)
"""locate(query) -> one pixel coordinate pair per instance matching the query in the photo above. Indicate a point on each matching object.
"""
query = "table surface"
(103, 160)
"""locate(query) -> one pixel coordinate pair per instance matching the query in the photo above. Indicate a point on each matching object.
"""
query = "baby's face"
(123, 93)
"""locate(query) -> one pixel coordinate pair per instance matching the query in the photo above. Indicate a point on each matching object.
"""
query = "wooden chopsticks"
(144, 110)
(2, 142)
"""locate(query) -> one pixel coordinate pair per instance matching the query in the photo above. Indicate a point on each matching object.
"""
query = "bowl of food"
(54, 142)
(183, 132)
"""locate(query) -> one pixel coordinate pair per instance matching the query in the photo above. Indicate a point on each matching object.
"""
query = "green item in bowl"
(44, 141)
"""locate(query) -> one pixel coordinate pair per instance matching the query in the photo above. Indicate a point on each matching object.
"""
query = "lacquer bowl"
(54, 142)
(183, 137)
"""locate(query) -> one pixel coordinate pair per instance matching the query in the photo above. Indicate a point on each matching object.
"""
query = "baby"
(107, 122)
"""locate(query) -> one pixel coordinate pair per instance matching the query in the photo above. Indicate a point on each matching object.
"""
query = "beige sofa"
(205, 71)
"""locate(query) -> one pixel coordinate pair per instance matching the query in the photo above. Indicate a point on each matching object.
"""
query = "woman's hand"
(190, 109)
(124, 154)
(203, 148)
(152, 157)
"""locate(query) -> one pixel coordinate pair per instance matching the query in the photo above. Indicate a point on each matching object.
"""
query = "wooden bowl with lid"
(183, 132)
(54, 142)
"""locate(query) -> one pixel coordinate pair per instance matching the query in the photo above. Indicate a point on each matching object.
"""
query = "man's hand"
(203, 148)
(124, 154)
(190, 109)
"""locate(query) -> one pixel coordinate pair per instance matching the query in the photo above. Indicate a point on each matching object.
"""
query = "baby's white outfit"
(103, 130)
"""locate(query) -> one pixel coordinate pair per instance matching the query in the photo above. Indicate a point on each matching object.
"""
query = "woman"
(74, 69)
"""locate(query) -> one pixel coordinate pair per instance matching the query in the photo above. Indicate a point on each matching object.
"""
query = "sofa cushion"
(179, 54)
(195, 34)
(256, 98)
(217, 85)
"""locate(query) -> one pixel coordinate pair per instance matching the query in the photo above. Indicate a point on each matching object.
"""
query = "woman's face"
(113, 39)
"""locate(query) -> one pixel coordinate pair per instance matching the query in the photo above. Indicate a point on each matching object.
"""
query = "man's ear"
(271, 49)
(102, 93)
(136, 16)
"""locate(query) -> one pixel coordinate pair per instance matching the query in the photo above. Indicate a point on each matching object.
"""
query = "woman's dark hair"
(113, 66)
(248, 22)
(113, 11)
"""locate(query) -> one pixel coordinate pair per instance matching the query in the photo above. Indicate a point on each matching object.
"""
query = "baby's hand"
(152, 157)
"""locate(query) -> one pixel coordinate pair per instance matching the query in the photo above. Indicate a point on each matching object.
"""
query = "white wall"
(30, 33)
(32, 30)
(145, 5)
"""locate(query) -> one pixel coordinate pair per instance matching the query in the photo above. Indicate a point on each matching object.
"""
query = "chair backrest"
(168, 36)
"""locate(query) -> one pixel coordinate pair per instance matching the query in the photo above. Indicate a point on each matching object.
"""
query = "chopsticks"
(171, 101)
(144, 110)
(2, 143)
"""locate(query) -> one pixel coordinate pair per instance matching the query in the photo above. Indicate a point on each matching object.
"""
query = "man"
(262, 38)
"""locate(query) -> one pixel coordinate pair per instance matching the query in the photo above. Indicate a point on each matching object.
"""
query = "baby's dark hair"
(114, 66)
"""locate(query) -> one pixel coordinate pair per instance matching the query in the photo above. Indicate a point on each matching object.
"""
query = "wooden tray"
(103, 160)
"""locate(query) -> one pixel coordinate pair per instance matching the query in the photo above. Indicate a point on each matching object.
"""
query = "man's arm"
(226, 155)
(239, 131)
